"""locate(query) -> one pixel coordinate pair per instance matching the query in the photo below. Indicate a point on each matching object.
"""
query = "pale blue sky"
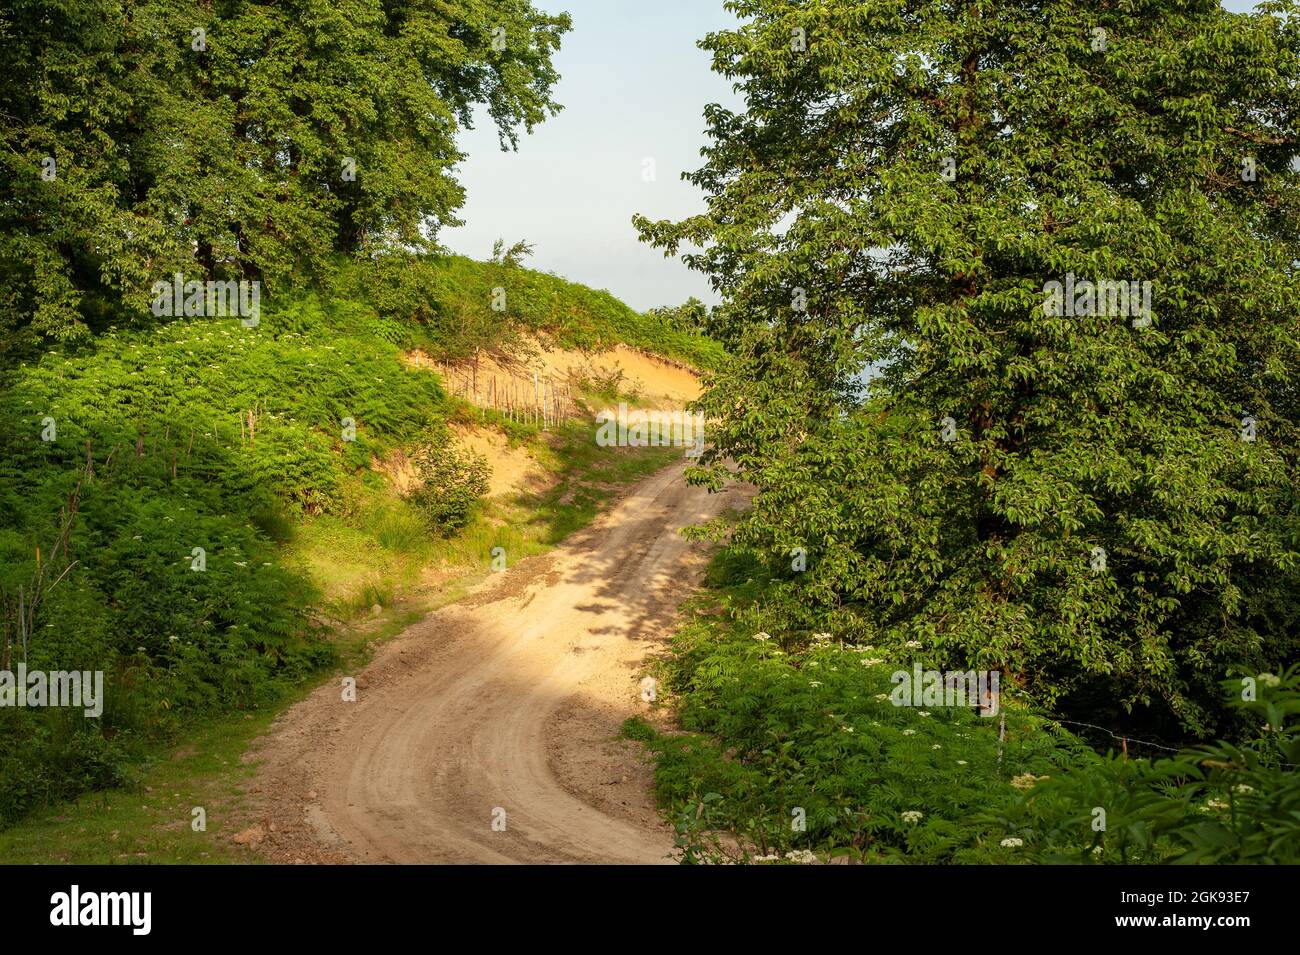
(634, 87)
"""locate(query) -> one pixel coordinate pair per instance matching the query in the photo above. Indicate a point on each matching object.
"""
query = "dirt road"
(503, 707)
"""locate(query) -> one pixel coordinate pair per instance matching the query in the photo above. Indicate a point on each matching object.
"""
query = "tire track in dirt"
(511, 698)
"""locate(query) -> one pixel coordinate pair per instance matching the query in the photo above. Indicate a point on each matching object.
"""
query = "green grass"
(151, 822)
(573, 314)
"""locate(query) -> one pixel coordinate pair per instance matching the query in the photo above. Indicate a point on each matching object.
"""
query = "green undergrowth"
(791, 748)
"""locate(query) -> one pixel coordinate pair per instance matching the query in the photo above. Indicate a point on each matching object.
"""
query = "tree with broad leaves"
(238, 139)
(1097, 499)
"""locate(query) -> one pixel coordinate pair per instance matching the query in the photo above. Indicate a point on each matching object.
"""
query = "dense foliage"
(1102, 506)
(155, 426)
(247, 139)
(800, 751)
(1222, 802)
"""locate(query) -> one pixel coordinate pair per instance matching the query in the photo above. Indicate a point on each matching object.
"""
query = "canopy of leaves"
(254, 139)
(883, 219)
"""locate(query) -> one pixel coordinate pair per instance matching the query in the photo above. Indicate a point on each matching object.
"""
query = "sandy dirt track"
(510, 699)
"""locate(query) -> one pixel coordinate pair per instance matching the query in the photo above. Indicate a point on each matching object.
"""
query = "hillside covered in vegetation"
(191, 506)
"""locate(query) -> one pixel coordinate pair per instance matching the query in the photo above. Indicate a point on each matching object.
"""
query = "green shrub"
(1221, 802)
(803, 723)
(452, 480)
(781, 731)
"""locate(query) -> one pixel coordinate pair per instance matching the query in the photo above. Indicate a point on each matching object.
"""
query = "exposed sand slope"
(657, 381)
(513, 469)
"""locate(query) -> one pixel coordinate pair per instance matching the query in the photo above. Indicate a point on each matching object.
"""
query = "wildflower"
(873, 662)
(936, 746)
(802, 856)
(961, 762)
(762, 637)
(909, 732)
(1025, 781)
(1216, 804)
(1269, 679)
(1012, 843)
(922, 713)
(912, 644)
(1096, 850)
(882, 697)
(1243, 789)
(813, 683)
(913, 816)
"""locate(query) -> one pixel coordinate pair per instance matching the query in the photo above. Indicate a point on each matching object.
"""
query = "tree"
(245, 139)
(1073, 495)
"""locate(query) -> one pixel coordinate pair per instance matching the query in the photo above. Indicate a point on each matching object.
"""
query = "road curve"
(501, 708)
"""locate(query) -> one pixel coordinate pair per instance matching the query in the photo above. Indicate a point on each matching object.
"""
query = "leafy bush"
(1217, 803)
(452, 482)
(46, 756)
(799, 729)
(781, 730)
(611, 385)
